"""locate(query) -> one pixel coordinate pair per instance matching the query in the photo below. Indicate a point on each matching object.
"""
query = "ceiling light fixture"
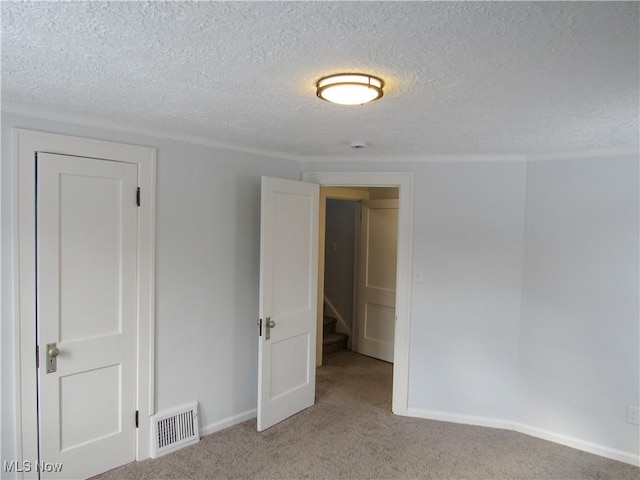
(349, 88)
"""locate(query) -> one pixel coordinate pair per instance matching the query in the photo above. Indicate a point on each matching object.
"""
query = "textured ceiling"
(462, 77)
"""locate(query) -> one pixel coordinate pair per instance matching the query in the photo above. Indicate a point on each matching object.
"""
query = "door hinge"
(138, 196)
(259, 327)
(137, 418)
(37, 356)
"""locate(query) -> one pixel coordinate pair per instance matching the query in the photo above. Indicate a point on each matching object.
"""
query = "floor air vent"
(174, 429)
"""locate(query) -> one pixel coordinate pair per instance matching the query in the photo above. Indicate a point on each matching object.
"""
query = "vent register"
(174, 429)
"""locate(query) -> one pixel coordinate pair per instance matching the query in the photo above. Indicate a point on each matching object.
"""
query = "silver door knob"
(269, 324)
(53, 351)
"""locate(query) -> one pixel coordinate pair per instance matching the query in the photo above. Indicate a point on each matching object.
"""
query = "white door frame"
(404, 182)
(25, 145)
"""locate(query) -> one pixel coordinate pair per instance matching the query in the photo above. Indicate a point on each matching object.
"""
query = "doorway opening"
(360, 253)
(403, 181)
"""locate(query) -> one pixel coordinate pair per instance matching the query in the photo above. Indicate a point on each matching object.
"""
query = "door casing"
(404, 182)
(25, 145)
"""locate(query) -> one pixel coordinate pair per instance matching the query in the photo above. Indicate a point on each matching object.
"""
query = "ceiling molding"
(358, 157)
(138, 130)
(603, 152)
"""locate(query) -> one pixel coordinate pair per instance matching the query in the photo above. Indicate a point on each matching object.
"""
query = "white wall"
(338, 265)
(579, 333)
(207, 267)
(464, 328)
(7, 332)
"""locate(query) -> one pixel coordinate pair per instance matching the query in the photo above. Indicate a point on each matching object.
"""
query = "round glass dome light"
(349, 88)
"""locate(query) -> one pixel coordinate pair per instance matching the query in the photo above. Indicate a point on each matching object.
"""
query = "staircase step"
(328, 325)
(332, 342)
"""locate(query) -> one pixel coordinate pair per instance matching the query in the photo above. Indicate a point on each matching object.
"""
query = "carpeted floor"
(351, 434)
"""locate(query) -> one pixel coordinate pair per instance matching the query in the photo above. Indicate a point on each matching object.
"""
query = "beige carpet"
(351, 434)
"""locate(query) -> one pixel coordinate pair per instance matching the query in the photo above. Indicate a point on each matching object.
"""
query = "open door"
(377, 279)
(288, 299)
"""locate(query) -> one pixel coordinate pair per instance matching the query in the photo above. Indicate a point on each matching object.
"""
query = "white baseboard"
(626, 457)
(227, 422)
(466, 419)
(576, 443)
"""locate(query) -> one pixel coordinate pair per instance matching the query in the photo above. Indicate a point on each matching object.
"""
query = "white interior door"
(87, 294)
(377, 279)
(288, 296)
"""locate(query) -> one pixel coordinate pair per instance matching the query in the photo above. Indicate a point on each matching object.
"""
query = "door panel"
(288, 288)
(382, 244)
(93, 391)
(380, 322)
(289, 276)
(377, 279)
(87, 305)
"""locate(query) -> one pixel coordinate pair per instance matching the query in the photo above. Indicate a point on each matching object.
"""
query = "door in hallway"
(377, 279)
